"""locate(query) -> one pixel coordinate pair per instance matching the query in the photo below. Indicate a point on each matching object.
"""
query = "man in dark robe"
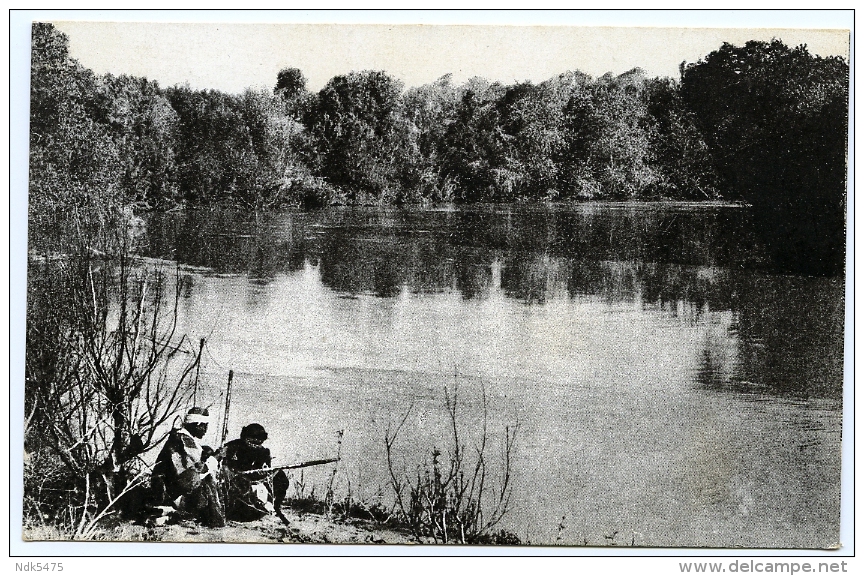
(249, 482)
(184, 476)
(247, 452)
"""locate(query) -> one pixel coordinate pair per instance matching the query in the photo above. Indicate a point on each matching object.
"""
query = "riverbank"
(298, 528)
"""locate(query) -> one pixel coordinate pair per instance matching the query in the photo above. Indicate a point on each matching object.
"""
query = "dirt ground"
(303, 528)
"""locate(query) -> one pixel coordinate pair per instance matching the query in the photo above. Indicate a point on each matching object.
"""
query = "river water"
(670, 388)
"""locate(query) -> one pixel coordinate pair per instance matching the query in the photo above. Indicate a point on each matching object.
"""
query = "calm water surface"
(671, 389)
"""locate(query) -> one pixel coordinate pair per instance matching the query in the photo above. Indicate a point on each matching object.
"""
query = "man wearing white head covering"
(184, 475)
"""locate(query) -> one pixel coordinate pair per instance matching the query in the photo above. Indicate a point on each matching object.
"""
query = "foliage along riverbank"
(762, 123)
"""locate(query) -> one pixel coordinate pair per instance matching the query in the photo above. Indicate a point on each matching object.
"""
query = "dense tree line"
(775, 122)
(762, 123)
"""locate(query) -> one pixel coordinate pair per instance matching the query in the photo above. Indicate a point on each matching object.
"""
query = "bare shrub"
(450, 499)
(105, 372)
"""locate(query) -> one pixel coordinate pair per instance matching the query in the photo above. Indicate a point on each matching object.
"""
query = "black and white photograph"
(422, 284)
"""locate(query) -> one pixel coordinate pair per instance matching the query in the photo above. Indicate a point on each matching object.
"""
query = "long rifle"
(292, 466)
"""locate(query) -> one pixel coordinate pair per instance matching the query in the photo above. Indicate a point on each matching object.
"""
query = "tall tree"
(622, 150)
(143, 125)
(359, 133)
(290, 83)
(474, 151)
(681, 159)
(608, 135)
(74, 163)
(531, 121)
(775, 120)
(429, 110)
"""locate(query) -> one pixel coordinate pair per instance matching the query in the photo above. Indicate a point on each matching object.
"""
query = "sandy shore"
(305, 528)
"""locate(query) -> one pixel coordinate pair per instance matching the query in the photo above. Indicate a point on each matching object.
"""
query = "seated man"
(248, 493)
(184, 474)
(247, 452)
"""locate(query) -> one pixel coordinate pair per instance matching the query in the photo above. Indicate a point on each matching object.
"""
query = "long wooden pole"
(227, 408)
(197, 372)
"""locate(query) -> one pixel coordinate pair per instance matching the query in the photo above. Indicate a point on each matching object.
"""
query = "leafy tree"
(359, 134)
(244, 150)
(74, 163)
(143, 125)
(681, 159)
(272, 171)
(429, 110)
(531, 131)
(291, 92)
(775, 121)
(207, 123)
(54, 78)
(474, 149)
(290, 83)
(607, 138)
(580, 130)
(621, 152)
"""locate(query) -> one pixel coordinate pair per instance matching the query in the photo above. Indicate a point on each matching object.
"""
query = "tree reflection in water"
(783, 334)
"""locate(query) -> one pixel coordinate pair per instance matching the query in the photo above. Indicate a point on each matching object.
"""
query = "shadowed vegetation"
(763, 123)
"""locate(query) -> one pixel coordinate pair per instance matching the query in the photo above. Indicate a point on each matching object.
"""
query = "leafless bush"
(451, 498)
(105, 371)
(330, 495)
